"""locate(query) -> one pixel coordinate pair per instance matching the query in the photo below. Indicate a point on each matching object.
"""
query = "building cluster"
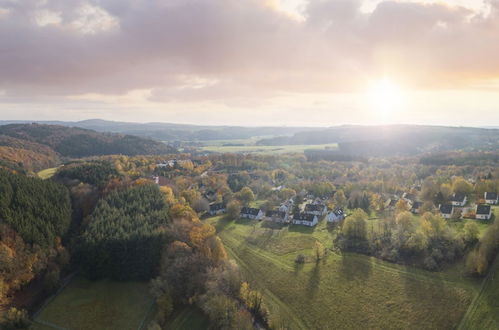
(483, 211)
(307, 214)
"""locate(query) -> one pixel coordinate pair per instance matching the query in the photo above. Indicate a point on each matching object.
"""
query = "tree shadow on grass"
(314, 280)
(222, 224)
(301, 229)
(273, 225)
(353, 267)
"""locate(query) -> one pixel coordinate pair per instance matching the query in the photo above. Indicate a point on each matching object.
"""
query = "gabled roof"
(217, 206)
(491, 195)
(250, 211)
(483, 209)
(446, 208)
(408, 196)
(304, 217)
(338, 211)
(314, 207)
(458, 198)
(416, 205)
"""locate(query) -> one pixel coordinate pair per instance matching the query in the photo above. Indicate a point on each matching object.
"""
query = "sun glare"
(385, 97)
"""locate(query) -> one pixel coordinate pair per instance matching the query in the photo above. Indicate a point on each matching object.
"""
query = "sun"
(385, 97)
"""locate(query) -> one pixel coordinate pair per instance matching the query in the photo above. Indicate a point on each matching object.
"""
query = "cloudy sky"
(251, 62)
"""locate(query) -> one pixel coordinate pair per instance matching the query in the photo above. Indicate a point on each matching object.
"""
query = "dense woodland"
(125, 235)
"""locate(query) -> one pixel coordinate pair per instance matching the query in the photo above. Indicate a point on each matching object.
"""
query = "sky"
(251, 62)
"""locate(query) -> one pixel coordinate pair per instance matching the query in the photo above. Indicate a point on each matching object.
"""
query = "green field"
(101, 304)
(343, 291)
(268, 149)
(47, 173)
(188, 318)
(483, 313)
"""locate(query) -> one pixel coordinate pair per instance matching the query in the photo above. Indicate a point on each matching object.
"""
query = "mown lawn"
(348, 291)
(101, 304)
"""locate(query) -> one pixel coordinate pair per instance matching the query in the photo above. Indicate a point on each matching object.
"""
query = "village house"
(459, 200)
(287, 206)
(409, 198)
(161, 180)
(335, 216)
(391, 202)
(415, 208)
(446, 211)
(277, 216)
(217, 208)
(483, 212)
(306, 219)
(251, 213)
(491, 198)
(316, 209)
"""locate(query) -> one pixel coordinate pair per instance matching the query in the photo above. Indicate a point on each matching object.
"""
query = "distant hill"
(395, 139)
(176, 132)
(76, 142)
(26, 154)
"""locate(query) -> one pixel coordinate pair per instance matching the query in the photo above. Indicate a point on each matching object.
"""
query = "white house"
(446, 211)
(316, 209)
(483, 212)
(277, 216)
(251, 213)
(459, 199)
(491, 198)
(306, 219)
(335, 216)
(217, 208)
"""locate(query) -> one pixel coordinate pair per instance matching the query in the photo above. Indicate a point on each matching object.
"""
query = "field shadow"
(352, 268)
(246, 222)
(222, 224)
(314, 280)
(273, 225)
(301, 229)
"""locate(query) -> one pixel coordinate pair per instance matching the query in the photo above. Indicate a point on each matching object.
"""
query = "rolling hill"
(37, 146)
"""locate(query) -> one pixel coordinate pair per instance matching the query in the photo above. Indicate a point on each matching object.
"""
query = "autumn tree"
(401, 206)
(461, 186)
(355, 226)
(233, 210)
(246, 196)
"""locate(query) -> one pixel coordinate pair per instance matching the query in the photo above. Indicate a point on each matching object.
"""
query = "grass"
(268, 149)
(100, 304)
(47, 173)
(188, 318)
(347, 291)
(483, 313)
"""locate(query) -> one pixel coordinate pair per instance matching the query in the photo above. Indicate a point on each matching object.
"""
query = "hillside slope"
(395, 139)
(78, 142)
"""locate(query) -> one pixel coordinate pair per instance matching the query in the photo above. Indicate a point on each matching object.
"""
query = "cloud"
(241, 50)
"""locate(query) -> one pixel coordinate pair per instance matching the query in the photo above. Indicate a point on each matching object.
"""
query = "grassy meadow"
(483, 312)
(342, 291)
(47, 173)
(100, 304)
(267, 149)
